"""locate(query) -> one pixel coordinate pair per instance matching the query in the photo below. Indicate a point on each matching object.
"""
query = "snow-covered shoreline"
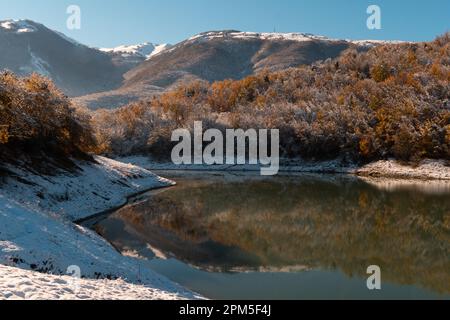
(389, 169)
(19, 284)
(426, 170)
(37, 233)
(101, 186)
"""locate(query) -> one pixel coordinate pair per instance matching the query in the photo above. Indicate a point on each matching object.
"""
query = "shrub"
(4, 136)
(34, 113)
(379, 73)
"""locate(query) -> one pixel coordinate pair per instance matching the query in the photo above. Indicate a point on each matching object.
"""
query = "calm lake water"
(297, 237)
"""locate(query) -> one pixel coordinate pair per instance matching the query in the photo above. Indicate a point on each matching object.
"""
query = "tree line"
(392, 101)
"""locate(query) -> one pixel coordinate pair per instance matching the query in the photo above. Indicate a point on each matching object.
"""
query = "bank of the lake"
(392, 169)
(37, 232)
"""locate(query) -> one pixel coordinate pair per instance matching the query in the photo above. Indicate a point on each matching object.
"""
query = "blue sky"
(107, 23)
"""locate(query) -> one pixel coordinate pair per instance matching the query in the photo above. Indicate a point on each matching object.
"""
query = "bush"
(36, 115)
(4, 135)
(380, 73)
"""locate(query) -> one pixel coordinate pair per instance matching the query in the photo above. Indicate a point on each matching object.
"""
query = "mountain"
(132, 55)
(219, 55)
(116, 76)
(143, 51)
(27, 47)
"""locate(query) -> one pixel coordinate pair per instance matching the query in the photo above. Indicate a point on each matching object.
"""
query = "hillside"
(27, 47)
(220, 55)
(37, 233)
(392, 101)
(215, 56)
(50, 178)
(112, 77)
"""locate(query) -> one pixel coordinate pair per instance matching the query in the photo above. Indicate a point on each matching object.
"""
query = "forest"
(392, 101)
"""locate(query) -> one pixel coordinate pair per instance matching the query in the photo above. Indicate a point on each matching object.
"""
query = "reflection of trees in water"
(347, 225)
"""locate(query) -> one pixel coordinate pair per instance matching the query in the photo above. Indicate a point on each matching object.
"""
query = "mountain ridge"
(111, 77)
(219, 55)
(75, 68)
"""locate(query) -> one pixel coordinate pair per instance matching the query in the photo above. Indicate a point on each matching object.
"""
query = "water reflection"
(292, 224)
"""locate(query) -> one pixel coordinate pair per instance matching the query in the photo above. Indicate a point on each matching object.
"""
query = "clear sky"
(107, 23)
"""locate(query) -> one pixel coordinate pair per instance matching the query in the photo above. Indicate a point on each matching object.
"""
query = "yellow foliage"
(4, 136)
(365, 146)
(32, 109)
(260, 101)
(411, 58)
(438, 70)
(380, 73)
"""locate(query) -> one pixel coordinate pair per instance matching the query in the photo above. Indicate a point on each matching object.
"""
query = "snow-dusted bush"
(36, 117)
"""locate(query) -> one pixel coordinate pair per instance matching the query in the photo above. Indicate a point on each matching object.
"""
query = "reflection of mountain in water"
(255, 223)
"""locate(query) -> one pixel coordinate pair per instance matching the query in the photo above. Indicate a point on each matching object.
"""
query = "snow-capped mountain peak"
(277, 36)
(28, 46)
(145, 50)
(233, 34)
(18, 26)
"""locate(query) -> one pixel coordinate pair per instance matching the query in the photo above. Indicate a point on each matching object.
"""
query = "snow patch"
(145, 50)
(39, 65)
(99, 187)
(36, 232)
(427, 169)
(300, 37)
(36, 64)
(8, 246)
(18, 26)
(159, 49)
(373, 43)
(17, 284)
(293, 36)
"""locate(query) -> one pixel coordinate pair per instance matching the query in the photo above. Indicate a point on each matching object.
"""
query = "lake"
(242, 236)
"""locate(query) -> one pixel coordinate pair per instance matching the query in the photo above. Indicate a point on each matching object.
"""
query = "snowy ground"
(427, 170)
(36, 232)
(286, 165)
(17, 284)
(99, 187)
